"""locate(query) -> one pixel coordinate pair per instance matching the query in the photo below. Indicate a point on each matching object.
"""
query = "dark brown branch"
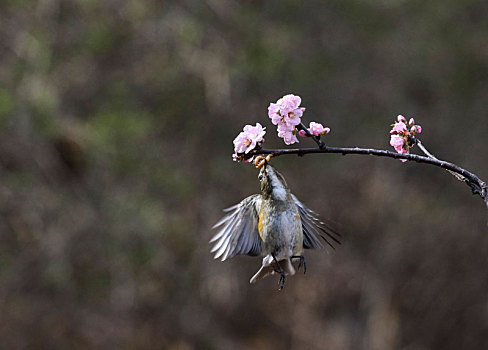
(477, 186)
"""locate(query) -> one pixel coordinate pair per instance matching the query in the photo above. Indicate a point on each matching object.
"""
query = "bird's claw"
(278, 269)
(281, 282)
(302, 262)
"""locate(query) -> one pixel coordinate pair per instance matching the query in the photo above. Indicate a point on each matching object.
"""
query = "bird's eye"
(260, 177)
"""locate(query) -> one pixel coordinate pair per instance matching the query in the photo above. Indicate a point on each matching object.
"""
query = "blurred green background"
(116, 126)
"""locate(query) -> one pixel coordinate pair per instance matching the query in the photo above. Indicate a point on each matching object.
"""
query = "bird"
(272, 224)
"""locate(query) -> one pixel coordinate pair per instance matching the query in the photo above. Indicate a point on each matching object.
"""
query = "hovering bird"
(274, 225)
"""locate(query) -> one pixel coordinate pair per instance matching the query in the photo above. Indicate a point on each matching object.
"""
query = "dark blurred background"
(116, 127)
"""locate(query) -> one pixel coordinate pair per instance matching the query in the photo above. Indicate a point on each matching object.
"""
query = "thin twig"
(430, 155)
(477, 186)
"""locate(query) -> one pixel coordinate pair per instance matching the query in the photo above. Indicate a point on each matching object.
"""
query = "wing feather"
(313, 228)
(238, 233)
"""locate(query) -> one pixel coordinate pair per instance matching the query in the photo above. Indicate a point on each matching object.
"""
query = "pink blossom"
(294, 117)
(242, 143)
(289, 103)
(276, 119)
(315, 129)
(402, 128)
(398, 127)
(416, 129)
(284, 106)
(402, 119)
(403, 135)
(256, 133)
(285, 127)
(274, 113)
(398, 142)
(249, 138)
(289, 137)
(318, 129)
(286, 114)
(273, 108)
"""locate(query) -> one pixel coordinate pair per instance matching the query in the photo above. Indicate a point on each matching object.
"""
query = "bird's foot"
(279, 269)
(302, 262)
(281, 282)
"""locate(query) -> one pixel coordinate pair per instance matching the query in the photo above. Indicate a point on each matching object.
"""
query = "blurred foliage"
(116, 126)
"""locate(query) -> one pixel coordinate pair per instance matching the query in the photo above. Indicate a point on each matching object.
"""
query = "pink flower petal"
(249, 138)
(285, 127)
(283, 107)
(273, 108)
(241, 142)
(292, 119)
(397, 142)
(398, 127)
(298, 112)
(402, 119)
(318, 129)
(288, 136)
(290, 102)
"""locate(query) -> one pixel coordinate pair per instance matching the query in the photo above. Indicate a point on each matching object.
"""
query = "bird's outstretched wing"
(239, 230)
(313, 228)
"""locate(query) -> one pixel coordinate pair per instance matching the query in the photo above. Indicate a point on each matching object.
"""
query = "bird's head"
(273, 184)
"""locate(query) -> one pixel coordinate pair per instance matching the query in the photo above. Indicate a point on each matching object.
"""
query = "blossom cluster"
(286, 114)
(402, 133)
(248, 139)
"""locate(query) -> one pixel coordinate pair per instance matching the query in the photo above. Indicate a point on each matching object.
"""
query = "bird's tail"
(267, 270)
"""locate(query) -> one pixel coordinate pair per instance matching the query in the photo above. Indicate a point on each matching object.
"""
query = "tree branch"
(477, 186)
(430, 155)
